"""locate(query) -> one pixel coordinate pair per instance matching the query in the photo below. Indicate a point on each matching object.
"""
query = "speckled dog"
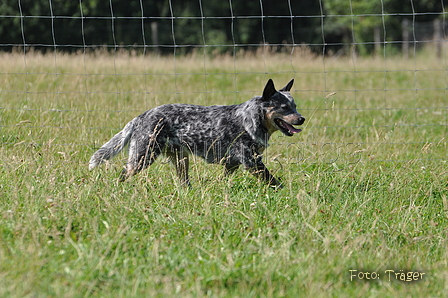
(231, 135)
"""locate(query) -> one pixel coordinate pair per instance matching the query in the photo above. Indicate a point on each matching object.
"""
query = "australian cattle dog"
(231, 135)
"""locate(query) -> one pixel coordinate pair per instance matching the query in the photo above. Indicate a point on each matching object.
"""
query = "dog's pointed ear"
(288, 86)
(269, 90)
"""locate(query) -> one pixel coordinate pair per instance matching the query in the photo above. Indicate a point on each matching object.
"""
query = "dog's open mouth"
(286, 128)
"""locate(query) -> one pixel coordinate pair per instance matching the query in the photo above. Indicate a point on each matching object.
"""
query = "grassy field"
(366, 181)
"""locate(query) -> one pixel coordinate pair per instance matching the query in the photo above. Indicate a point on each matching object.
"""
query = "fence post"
(405, 38)
(155, 36)
(437, 37)
(377, 40)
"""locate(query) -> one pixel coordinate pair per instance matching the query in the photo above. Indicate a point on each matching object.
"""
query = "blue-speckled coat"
(231, 135)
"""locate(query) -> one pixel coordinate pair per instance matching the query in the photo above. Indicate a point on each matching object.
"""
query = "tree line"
(213, 25)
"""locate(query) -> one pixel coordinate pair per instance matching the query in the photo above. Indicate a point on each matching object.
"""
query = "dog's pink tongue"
(292, 129)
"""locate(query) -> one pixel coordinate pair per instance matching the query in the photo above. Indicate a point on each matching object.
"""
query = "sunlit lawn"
(366, 181)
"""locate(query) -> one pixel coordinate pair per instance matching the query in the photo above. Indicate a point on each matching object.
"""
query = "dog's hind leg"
(140, 157)
(181, 162)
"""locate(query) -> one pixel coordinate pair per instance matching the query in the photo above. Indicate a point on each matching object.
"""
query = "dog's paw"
(276, 184)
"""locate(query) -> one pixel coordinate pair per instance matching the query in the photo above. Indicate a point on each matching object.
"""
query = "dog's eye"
(283, 106)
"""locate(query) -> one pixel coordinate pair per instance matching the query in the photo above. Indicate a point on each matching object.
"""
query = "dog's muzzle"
(287, 128)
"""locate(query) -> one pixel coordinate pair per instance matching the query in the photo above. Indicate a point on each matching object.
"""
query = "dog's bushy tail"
(113, 146)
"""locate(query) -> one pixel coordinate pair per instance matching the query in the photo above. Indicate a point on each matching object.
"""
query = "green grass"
(366, 181)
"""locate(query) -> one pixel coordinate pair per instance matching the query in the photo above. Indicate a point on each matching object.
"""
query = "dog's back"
(206, 131)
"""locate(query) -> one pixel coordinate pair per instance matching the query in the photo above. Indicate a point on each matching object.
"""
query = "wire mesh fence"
(67, 68)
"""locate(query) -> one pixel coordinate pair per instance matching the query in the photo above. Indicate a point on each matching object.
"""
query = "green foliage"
(186, 24)
(355, 21)
(73, 26)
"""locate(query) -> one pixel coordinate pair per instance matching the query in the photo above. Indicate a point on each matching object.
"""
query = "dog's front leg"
(259, 170)
(263, 173)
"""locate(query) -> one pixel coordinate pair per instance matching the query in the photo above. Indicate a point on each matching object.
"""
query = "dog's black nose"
(301, 120)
